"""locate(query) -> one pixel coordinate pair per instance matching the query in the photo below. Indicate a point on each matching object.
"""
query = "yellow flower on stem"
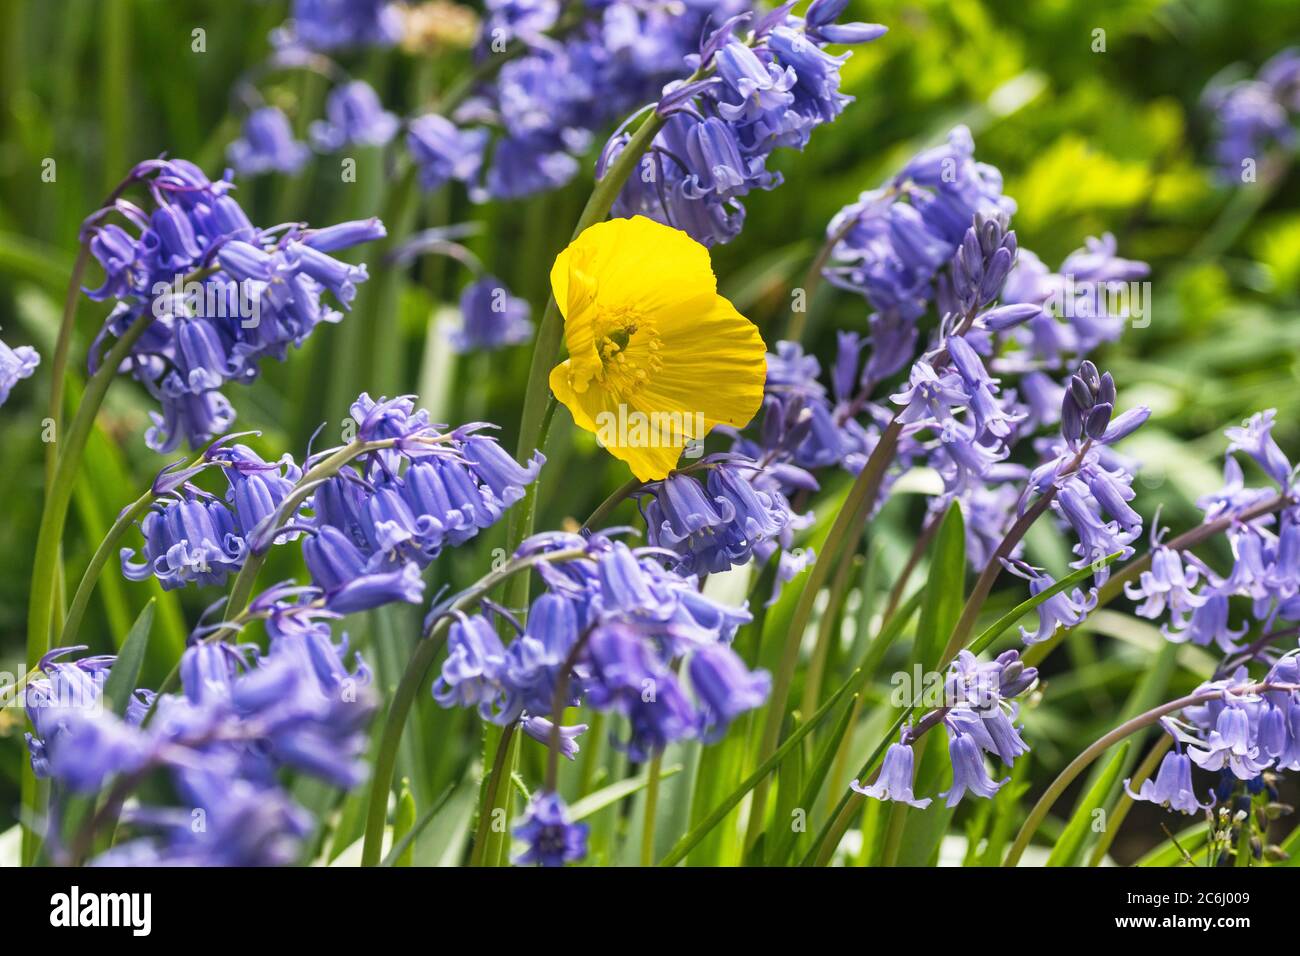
(656, 357)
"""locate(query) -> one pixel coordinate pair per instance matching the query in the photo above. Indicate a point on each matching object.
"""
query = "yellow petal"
(709, 363)
(633, 262)
(714, 362)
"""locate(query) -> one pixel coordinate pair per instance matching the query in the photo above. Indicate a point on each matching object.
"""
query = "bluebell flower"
(551, 840)
(1255, 116)
(188, 539)
(1255, 438)
(894, 782)
(725, 688)
(443, 152)
(15, 365)
(1063, 610)
(341, 24)
(491, 317)
(542, 730)
(353, 116)
(267, 145)
(1172, 787)
(969, 775)
(223, 295)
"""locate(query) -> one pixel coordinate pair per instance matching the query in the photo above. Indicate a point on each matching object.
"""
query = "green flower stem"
(49, 539)
(412, 679)
(979, 594)
(1125, 803)
(606, 507)
(483, 850)
(107, 548)
(1104, 743)
(59, 365)
(651, 809)
(843, 534)
(813, 279)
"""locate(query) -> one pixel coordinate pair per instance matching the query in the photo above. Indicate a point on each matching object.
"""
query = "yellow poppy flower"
(656, 357)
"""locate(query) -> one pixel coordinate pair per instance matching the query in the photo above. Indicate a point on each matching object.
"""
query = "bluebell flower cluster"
(192, 537)
(16, 364)
(1244, 732)
(267, 145)
(719, 523)
(223, 294)
(241, 719)
(367, 532)
(606, 633)
(1255, 117)
(978, 713)
(1087, 302)
(766, 90)
(522, 133)
(324, 25)
(1192, 600)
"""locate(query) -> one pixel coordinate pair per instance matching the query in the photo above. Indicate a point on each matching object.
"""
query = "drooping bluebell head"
(267, 145)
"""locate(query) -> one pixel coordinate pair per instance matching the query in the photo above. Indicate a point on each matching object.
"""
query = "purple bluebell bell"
(188, 539)
(267, 145)
(443, 152)
(725, 688)
(1063, 610)
(354, 116)
(16, 364)
(551, 840)
(894, 782)
(342, 24)
(1172, 787)
(969, 775)
(491, 318)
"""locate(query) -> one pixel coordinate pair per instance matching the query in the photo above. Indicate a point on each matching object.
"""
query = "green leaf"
(403, 823)
(125, 673)
(945, 589)
(820, 771)
(1169, 854)
(404, 844)
(606, 796)
(684, 845)
(1070, 845)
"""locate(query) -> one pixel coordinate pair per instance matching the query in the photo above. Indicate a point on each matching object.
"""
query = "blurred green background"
(1087, 141)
